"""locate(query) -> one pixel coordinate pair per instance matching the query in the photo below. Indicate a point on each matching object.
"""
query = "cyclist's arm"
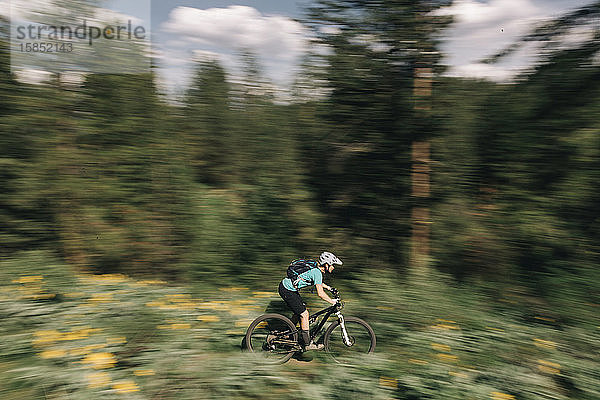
(324, 295)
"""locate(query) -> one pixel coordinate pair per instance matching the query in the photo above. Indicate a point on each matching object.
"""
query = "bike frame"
(326, 313)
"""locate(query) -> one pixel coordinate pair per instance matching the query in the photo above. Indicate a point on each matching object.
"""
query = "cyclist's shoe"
(314, 346)
(302, 356)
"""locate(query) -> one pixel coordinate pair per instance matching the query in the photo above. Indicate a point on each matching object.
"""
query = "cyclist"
(289, 292)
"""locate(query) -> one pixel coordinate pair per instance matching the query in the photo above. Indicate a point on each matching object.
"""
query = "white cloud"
(238, 27)
(483, 71)
(483, 29)
(278, 41)
(492, 13)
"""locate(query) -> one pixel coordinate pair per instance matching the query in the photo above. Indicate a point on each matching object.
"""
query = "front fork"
(345, 336)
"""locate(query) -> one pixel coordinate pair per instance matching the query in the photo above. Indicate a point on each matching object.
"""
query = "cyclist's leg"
(295, 303)
(307, 343)
(304, 332)
(295, 319)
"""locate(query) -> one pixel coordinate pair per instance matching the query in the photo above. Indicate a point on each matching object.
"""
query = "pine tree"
(374, 50)
(208, 124)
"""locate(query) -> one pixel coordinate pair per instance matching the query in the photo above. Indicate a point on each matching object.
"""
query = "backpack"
(298, 267)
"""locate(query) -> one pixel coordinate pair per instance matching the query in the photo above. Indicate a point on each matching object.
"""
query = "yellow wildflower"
(46, 337)
(208, 318)
(544, 343)
(440, 347)
(180, 326)
(76, 335)
(29, 279)
(53, 353)
(117, 340)
(107, 279)
(101, 297)
(388, 382)
(86, 349)
(549, 367)
(143, 372)
(126, 386)
(213, 305)
(98, 379)
(100, 360)
(233, 289)
(501, 396)
(445, 327)
(151, 282)
(447, 357)
(263, 294)
(445, 321)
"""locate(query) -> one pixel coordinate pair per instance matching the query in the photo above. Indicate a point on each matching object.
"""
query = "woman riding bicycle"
(310, 273)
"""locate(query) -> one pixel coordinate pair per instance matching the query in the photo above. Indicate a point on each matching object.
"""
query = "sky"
(483, 28)
(187, 30)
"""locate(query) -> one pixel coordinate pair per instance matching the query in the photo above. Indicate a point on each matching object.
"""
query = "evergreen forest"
(141, 234)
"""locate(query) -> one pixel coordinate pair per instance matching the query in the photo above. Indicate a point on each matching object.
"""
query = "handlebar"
(336, 295)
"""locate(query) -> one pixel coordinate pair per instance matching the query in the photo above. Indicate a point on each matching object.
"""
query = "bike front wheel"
(361, 340)
(273, 337)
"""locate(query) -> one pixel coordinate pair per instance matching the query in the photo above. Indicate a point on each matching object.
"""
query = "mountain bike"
(275, 337)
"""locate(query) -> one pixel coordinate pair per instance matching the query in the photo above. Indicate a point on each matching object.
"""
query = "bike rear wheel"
(361, 335)
(273, 337)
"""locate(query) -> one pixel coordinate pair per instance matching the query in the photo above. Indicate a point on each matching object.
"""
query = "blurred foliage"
(69, 334)
(359, 147)
(513, 184)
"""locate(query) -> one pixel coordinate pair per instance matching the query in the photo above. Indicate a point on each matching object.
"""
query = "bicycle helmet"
(329, 258)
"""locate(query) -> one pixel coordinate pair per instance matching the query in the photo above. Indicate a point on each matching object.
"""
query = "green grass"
(73, 336)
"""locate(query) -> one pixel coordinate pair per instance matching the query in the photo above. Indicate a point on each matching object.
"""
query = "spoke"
(272, 339)
(361, 342)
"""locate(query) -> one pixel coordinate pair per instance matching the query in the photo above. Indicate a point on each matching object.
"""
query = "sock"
(304, 338)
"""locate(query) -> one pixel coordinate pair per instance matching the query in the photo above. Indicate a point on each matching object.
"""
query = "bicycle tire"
(257, 337)
(361, 334)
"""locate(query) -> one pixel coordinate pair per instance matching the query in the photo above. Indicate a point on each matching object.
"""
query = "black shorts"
(292, 299)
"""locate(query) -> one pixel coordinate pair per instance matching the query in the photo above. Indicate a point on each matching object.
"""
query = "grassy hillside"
(74, 336)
